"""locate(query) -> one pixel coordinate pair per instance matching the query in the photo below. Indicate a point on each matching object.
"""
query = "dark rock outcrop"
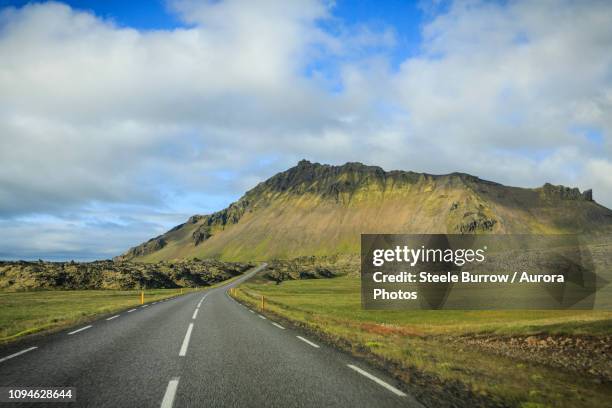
(201, 234)
(565, 193)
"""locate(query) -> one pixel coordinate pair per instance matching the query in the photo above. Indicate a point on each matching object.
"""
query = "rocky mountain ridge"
(319, 209)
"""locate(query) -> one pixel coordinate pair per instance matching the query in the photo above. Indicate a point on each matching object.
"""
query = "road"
(202, 349)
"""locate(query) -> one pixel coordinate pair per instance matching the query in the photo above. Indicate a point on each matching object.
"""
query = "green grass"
(340, 299)
(422, 341)
(43, 311)
(25, 313)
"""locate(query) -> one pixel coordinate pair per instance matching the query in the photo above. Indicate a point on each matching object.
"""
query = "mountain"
(317, 209)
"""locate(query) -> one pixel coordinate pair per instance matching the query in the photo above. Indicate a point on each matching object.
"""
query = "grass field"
(419, 345)
(25, 313)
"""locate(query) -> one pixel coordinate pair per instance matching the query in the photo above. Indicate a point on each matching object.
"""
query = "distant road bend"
(202, 349)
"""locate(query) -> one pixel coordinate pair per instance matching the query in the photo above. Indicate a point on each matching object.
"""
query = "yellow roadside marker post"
(142, 297)
(263, 303)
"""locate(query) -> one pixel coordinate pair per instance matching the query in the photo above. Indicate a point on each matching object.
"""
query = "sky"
(119, 120)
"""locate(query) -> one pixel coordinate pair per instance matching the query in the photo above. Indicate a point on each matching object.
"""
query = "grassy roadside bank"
(43, 297)
(45, 311)
(426, 349)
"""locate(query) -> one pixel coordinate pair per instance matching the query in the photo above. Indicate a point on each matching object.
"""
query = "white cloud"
(598, 172)
(500, 87)
(91, 112)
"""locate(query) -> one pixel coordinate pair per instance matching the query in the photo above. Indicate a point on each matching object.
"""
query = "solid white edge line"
(113, 317)
(377, 380)
(278, 325)
(17, 354)
(79, 330)
(131, 310)
(195, 314)
(183, 351)
(308, 341)
(170, 393)
(262, 317)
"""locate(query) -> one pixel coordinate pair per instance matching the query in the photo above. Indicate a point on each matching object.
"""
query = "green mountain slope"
(315, 209)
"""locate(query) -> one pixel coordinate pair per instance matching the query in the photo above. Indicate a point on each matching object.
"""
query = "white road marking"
(144, 306)
(131, 310)
(17, 354)
(377, 380)
(79, 330)
(113, 317)
(262, 317)
(195, 313)
(308, 341)
(183, 351)
(278, 325)
(170, 393)
(251, 311)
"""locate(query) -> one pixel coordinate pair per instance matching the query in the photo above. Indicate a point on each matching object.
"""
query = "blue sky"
(140, 14)
(118, 120)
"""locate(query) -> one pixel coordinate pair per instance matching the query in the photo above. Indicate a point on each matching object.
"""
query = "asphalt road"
(202, 349)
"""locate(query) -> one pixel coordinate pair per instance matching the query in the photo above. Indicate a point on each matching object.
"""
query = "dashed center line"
(202, 300)
(279, 326)
(170, 393)
(377, 380)
(113, 317)
(131, 310)
(195, 313)
(183, 351)
(79, 330)
(308, 342)
(17, 354)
